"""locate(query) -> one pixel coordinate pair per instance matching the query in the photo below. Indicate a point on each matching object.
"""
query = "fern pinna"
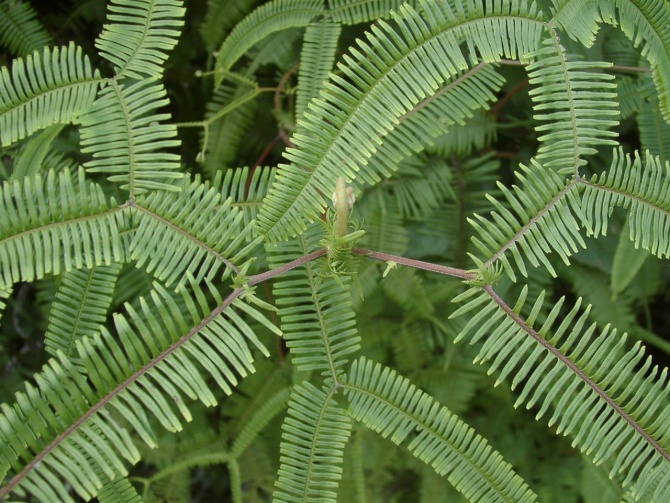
(507, 156)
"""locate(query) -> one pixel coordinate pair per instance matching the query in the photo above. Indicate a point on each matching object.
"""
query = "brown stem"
(417, 264)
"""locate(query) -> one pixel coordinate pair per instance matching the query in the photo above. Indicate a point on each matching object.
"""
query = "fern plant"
(172, 261)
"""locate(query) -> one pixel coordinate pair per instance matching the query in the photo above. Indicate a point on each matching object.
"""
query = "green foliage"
(20, 32)
(60, 83)
(186, 317)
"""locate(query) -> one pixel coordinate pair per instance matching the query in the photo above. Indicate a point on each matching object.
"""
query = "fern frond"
(31, 156)
(421, 187)
(126, 136)
(316, 312)
(41, 90)
(19, 30)
(363, 11)
(543, 220)
(390, 405)
(193, 230)
(654, 131)
(58, 400)
(644, 22)
(53, 223)
(316, 61)
(313, 438)
(220, 18)
(577, 103)
(229, 114)
(260, 417)
(478, 131)
(80, 307)
(383, 79)
(140, 35)
(385, 231)
(632, 93)
(118, 491)
(144, 371)
(452, 105)
(247, 189)
(609, 400)
(5, 292)
(627, 261)
(643, 189)
(272, 17)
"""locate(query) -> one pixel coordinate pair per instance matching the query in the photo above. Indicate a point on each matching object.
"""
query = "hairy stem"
(417, 264)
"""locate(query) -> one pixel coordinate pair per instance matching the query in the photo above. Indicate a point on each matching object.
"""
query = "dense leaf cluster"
(188, 315)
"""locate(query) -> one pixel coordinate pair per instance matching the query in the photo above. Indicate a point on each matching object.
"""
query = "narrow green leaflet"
(19, 30)
(69, 427)
(140, 35)
(269, 18)
(56, 223)
(127, 138)
(80, 307)
(314, 434)
(607, 398)
(59, 82)
(393, 407)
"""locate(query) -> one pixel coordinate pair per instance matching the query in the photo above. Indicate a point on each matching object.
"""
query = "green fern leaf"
(19, 30)
(643, 189)
(381, 213)
(46, 410)
(643, 21)
(578, 104)
(220, 18)
(654, 131)
(543, 220)
(140, 36)
(59, 83)
(384, 79)
(260, 417)
(126, 138)
(316, 61)
(52, 224)
(118, 491)
(194, 230)
(32, 154)
(79, 307)
(4, 294)
(627, 261)
(272, 17)
(589, 381)
(363, 11)
(441, 114)
(390, 405)
(142, 372)
(318, 322)
(229, 114)
(247, 188)
(313, 439)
